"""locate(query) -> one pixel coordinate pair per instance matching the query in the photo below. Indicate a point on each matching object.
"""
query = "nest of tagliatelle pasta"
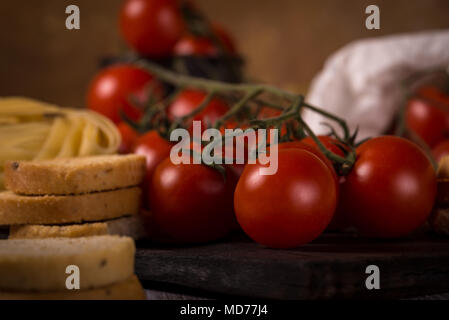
(33, 130)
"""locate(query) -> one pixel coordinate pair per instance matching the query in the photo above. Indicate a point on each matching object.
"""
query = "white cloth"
(362, 81)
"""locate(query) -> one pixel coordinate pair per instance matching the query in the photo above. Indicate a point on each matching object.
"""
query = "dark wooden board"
(331, 267)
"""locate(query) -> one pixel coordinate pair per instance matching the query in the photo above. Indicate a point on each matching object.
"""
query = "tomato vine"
(245, 95)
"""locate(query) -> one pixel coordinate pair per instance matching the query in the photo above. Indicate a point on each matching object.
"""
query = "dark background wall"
(285, 42)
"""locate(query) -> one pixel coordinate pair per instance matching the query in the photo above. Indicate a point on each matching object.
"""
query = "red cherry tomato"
(192, 203)
(189, 100)
(151, 27)
(435, 95)
(111, 89)
(197, 46)
(128, 135)
(441, 150)
(203, 46)
(428, 116)
(315, 151)
(338, 220)
(330, 143)
(291, 207)
(155, 149)
(391, 188)
(225, 38)
(267, 112)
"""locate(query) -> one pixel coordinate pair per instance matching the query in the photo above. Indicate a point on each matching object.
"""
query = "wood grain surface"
(331, 267)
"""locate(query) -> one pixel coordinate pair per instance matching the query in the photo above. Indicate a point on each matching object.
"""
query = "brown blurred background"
(285, 42)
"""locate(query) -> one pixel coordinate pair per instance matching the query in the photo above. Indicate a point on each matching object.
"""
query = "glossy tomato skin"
(441, 150)
(291, 207)
(434, 94)
(313, 150)
(338, 221)
(188, 100)
(203, 46)
(110, 91)
(225, 38)
(151, 27)
(429, 122)
(155, 149)
(391, 189)
(192, 203)
(197, 46)
(128, 136)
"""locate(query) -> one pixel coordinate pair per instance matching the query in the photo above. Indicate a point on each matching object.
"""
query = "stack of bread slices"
(86, 268)
(73, 197)
(80, 212)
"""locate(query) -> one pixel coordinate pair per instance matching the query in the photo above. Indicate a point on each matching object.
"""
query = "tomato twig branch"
(250, 93)
(206, 84)
(339, 120)
(237, 107)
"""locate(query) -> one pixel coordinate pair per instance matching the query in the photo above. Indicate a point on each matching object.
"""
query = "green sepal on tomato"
(329, 142)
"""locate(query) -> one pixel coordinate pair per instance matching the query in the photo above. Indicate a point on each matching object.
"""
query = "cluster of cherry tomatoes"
(160, 28)
(389, 192)
(155, 29)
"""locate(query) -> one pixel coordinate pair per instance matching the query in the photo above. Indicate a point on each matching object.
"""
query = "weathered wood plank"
(333, 266)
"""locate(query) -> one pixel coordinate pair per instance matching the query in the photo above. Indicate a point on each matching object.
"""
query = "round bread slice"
(41, 264)
(130, 289)
(74, 175)
(18, 209)
(126, 226)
